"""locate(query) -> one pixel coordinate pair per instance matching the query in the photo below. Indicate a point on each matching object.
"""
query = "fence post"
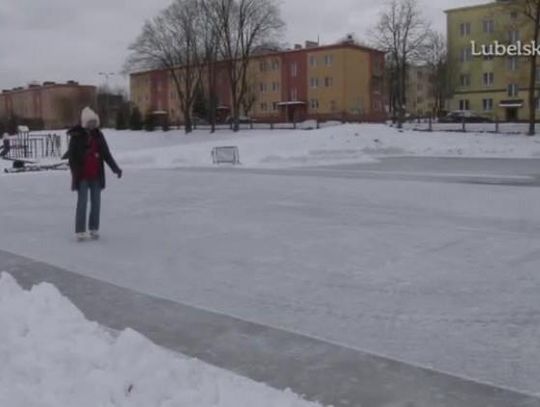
(496, 124)
(430, 123)
(463, 128)
(318, 123)
(271, 125)
(250, 124)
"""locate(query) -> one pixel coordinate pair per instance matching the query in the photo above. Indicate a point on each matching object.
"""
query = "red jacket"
(90, 170)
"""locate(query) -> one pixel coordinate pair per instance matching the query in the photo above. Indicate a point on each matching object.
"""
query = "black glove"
(119, 173)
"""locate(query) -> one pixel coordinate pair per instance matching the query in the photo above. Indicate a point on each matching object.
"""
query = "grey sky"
(71, 39)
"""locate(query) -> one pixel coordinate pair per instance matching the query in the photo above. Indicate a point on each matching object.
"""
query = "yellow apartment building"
(493, 86)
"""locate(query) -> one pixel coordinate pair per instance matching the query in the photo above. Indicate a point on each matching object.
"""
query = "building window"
(488, 78)
(264, 107)
(489, 26)
(262, 66)
(466, 54)
(294, 69)
(263, 87)
(314, 83)
(465, 80)
(275, 106)
(513, 90)
(333, 106)
(312, 61)
(275, 86)
(314, 104)
(538, 74)
(328, 60)
(465, 29)
(512, 63)
(487, 104)
(464, 104)
(513, 36)
(275, 65)
(537, 100)
(328, 82)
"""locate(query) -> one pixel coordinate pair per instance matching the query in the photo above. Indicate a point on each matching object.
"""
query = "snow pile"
(333, 143)
(350, 143)
(50, 355)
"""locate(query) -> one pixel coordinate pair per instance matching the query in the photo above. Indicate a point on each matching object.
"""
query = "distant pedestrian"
(87, 152)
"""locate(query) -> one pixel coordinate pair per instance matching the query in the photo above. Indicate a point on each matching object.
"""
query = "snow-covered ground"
(437, 274)
(336, 144)
(333, 145)
(51, 356)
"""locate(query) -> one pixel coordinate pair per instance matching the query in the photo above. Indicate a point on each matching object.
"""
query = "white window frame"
(487, 104)
(465, 29)
(513, 90)
(488, 78)
(294, 69)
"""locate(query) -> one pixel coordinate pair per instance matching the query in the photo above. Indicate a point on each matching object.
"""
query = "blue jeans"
(82, 200)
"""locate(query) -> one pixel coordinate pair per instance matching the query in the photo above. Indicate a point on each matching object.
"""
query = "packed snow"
(332, 144)
(51, 356)
(437, 274)
(351, 143)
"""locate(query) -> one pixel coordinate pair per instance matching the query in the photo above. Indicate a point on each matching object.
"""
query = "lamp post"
(107, 75)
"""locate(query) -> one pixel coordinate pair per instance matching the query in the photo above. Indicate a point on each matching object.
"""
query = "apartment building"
(420, 95)
(494, 86)
(341, 81)
(49, 105)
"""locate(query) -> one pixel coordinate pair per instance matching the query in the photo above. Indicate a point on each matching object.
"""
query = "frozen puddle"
(50, 355)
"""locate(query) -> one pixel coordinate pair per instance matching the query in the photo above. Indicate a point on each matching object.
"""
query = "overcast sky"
(61, 40)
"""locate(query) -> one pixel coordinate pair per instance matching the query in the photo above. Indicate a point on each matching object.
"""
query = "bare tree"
(402, 32)
(210, 62)
(241, 26)
(172, 41)
(436, 58)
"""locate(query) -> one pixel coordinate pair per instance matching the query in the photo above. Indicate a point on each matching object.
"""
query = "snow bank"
(334, 143)
(50, 355)
(350, 143)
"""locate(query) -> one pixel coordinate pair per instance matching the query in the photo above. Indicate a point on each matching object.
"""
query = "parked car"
(458, 116)
(241, 119)
(200, 121)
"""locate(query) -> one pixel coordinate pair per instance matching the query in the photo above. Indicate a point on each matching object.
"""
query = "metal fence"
(257, 125)
(26, 146)
(464, 127)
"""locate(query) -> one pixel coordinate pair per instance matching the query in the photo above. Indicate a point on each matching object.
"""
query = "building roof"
(269, 53)
(46, 85)
(477, 6)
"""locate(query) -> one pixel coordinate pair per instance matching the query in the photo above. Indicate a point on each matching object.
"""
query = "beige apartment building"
(341, 81)
(49, 105)
(493, 86)
(420, 95)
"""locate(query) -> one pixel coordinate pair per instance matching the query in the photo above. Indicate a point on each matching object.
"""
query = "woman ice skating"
(87, 152)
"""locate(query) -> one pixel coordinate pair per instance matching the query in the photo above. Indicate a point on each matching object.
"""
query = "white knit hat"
(89, 119)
